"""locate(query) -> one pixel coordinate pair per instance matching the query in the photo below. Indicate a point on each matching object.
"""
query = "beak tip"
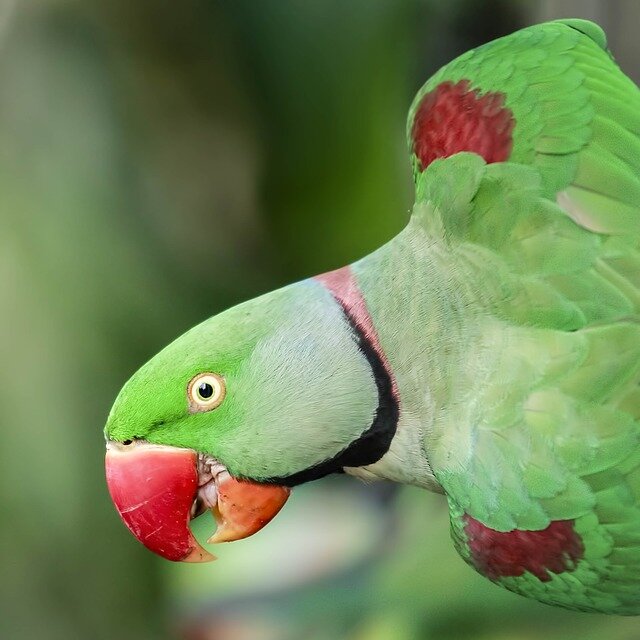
(199, 555)
(225, 534)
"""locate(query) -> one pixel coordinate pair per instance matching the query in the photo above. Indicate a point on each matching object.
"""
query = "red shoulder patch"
(454, 117)
(498, 554)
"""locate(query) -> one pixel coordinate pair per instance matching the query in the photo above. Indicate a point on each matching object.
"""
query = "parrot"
(489, 352)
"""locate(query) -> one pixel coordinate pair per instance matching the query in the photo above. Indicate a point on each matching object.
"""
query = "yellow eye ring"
(205, 392)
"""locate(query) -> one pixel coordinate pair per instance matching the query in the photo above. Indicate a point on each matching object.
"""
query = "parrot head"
(266, 395)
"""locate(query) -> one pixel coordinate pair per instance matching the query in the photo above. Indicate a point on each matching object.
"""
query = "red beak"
(154, 489)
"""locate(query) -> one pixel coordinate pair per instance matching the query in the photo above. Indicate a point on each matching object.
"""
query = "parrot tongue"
(157, 490)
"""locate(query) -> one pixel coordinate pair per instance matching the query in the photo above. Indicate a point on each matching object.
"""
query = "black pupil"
(205, 390)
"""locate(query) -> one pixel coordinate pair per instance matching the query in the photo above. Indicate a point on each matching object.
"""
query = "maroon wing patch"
(498, 554)
(455, 117)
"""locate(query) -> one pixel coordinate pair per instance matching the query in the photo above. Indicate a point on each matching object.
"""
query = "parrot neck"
(424, 313)
(374, 441)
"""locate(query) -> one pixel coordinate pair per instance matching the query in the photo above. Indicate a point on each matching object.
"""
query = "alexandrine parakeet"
(490, 351)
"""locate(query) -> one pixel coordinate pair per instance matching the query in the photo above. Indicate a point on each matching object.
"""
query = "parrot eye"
(205, 392)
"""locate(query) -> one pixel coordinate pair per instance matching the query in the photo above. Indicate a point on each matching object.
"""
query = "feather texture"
(505, 317)
(550, 430)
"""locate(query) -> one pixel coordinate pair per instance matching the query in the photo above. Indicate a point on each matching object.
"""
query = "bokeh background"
(160, 161)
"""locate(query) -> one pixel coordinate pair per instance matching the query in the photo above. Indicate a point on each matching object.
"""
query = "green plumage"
(508, 312)
(553, 430)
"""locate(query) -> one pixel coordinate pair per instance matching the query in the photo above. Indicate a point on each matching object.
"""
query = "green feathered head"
(275, 391)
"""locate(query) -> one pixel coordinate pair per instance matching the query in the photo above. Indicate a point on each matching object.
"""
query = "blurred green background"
(159, 162)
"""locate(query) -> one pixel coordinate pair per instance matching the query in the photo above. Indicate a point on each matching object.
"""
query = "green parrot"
(489, 352)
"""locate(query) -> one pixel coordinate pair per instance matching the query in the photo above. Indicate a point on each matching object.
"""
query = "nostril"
(127, 442)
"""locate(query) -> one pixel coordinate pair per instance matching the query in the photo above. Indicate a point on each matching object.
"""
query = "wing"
(540, 457)
(549, 96)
